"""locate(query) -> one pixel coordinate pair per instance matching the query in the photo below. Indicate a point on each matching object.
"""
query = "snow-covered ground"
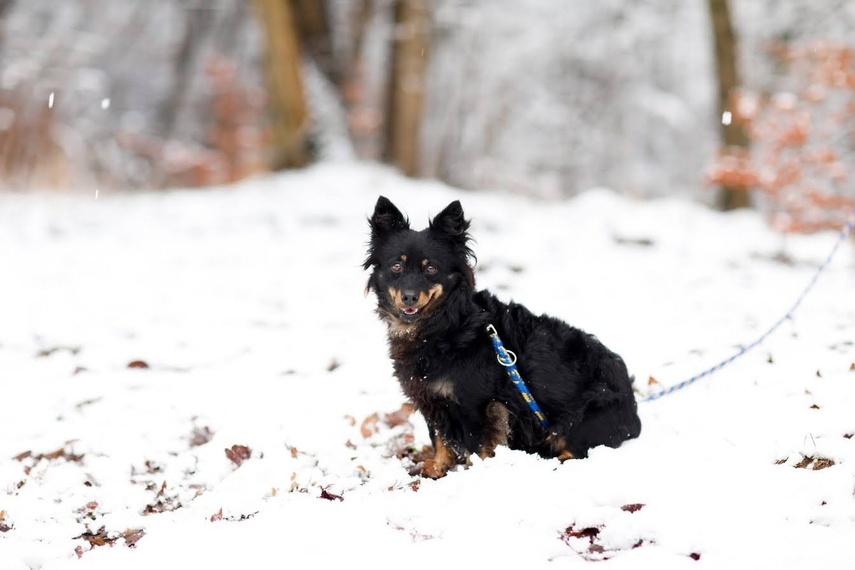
(250, 440)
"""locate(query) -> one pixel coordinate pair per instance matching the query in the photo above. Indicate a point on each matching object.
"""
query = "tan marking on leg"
(442, 460)
(496, 431)
(565, 455)
(444, 457)
(558, 447)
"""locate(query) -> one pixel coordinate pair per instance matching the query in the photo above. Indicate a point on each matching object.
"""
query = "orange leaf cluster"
(802, 149)
(102, 537)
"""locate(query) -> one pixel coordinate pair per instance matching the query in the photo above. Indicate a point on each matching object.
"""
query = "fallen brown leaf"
(237, 454)
(815, 463)
(822, 463)
(101, 537)
(400, 416)
(97, 538)
(54, 454)
(330, 496)
(163, 503)
(23, 455)
(200, 436)
(369, 425)
(61, 453)
(589, 532)
(132, 536)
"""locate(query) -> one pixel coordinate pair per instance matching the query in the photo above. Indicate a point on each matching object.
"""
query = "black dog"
(446, 363)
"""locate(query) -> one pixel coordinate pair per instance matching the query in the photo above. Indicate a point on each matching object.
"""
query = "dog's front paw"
(432, 470)
(557, 446)
(443, 459)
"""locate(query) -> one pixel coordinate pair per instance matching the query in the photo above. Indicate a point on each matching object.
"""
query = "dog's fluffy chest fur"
(425, 370)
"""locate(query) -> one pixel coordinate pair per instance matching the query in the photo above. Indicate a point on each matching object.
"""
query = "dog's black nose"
(409, 297)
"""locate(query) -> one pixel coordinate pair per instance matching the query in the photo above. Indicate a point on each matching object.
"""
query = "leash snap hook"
(508, 359)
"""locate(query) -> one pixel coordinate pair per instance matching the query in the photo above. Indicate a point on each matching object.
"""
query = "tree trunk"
(727, 73)
(198, 21)
(4, 7)
(286, 98)
(410, 43)
(313, 25)
(363, 105)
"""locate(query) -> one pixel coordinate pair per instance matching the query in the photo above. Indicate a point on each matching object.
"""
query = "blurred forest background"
(734, 102)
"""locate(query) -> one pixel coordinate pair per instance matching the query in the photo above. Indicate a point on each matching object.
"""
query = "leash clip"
(511, 355)
(508, 359)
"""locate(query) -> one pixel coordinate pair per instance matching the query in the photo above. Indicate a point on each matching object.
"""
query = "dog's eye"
(431, 269)
(397, 267)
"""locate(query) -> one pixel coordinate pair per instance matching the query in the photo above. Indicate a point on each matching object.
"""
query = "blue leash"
(509, 360)
(845, 232)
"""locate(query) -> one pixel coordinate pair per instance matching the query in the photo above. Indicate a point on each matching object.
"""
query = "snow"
(247, 305)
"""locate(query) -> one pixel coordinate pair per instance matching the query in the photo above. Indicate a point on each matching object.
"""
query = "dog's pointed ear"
(386, 220)
(451, 223)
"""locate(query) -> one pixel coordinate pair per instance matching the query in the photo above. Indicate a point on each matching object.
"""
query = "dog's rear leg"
(496, 431)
